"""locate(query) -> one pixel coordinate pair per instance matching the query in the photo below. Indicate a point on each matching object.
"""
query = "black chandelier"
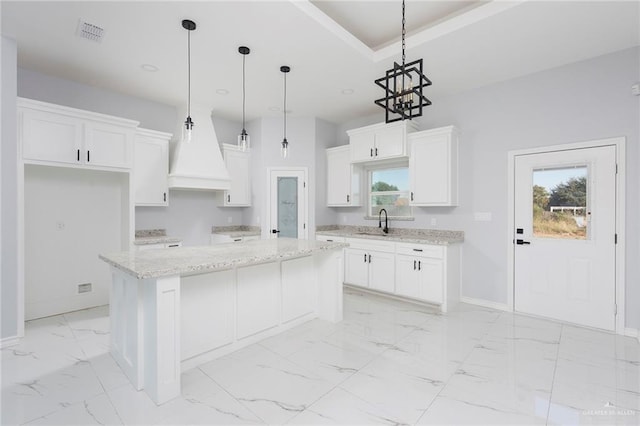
(403, 86)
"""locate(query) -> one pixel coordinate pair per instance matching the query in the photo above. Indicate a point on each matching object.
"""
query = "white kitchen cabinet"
(380, 141)
(370, 263)
(330, 238)
(257, 299)
(57, 135)
(343, 178)
(157, 246)
(237, 163)
(226, 238)
(151, 168)
(433, 167)
(420, 278)
(298, 290)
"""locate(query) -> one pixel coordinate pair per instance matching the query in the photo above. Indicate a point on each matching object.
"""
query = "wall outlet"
(434, 221)
(84, 288)
(60, 225)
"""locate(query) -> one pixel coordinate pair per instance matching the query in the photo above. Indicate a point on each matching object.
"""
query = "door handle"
(521, 242)
(88, 156)
(78, 155)
(275, 231)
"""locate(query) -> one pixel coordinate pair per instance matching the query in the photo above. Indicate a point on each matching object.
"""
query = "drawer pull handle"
(174, 245)
(417, 250)
(330, 241)
(238, 239)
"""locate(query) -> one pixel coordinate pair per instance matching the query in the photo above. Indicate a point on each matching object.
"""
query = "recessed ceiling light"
(222, 92)
(347, 91)
(149, 67)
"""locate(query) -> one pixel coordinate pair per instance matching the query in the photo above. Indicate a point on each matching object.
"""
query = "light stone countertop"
(199, 260)
(404, 235)
(237, 231)
(141, 241)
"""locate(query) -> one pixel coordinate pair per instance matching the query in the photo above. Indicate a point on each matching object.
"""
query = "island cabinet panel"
(207, 299)
(258, 292)
(298, 291)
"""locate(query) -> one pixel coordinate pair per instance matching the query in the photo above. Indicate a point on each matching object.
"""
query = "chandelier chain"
(189, 70)
(403, 34)
(285, 106)
(243, 89)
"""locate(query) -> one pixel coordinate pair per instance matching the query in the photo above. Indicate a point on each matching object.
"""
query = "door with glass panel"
(564, 236)
(288, 204)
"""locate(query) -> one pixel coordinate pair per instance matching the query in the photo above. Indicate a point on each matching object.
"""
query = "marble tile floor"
(388, 362)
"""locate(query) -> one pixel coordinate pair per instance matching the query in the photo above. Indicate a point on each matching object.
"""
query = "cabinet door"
(390, 142)
(431, 273)
(430, 170)
(108, 145)
(239, 193)
(338, 178)
(51, 137)
(361, 146)
(298, 289)
(407, 279)
(356, 267)
(381, 271)
(151, 159)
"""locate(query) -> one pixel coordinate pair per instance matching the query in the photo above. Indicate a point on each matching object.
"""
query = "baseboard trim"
(485, 303)
(9, 341)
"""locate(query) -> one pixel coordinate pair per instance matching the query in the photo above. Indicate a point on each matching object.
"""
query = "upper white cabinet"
(237, 163)
(55, 134)
(380, 141)
(433, 167)
(151, 167)
(343, 178)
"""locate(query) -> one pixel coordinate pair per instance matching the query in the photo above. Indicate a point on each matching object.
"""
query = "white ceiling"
(328, 45)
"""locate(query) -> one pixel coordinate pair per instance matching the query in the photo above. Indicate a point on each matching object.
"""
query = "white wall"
(578, 102)
(70, 216)
(8, 178)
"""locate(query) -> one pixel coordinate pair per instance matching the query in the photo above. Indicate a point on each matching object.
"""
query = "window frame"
(369, 169)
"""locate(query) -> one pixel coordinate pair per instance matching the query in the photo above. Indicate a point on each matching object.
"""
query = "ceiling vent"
(89, 31)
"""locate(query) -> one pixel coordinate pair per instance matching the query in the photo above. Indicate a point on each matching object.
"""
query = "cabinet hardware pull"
(414, 265)
(417, 249)
(365, 258)
(78, 155)
(238, 239)
(228, 198)
(165, 196)
(521, 242)
(330, 241)
(369, 258)
(376, 152)
(174, 245)
(88, 156)
(411, 195)
(419, 264)
(347, 198)
(371, 153)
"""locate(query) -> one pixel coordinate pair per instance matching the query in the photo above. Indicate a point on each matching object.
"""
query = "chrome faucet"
(386, 221)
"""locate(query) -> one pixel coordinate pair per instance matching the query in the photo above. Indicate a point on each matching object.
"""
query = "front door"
(564, 236)
(288, 204)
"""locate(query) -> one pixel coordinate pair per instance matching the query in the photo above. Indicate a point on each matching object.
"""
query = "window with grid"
(389, 190)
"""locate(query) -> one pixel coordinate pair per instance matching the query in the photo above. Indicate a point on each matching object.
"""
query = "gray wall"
(8, 179)
(325, 138)
(578, 102)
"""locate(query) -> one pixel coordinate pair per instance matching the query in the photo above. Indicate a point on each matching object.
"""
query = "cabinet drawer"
(421, 250)
(330, 238)
(372, 245)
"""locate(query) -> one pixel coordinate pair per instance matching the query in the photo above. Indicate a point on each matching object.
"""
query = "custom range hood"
(198, 164)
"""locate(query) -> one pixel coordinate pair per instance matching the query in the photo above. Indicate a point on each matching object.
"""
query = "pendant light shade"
(188, 123)
(403, 87)
(284, 147)
(243, 137)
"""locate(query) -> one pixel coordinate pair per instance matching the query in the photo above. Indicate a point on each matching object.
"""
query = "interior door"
(564, 239)
(288, 204)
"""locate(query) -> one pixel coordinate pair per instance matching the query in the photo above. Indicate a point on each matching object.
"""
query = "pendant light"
(243, 137)
(284, 150)
(403, 86)
(188, 124)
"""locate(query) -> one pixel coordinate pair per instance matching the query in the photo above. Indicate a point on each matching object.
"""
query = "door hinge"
(615, 238)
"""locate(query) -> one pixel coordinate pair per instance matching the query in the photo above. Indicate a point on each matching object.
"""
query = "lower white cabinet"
(226, 238)
(157, 246)
(428, 273)
(370, 263)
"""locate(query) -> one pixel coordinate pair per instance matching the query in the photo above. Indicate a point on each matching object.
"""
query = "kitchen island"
(172, 309)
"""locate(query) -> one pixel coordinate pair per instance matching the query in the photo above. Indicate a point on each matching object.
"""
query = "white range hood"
(198, 164)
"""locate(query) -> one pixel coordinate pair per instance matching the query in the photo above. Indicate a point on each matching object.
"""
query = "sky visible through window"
(396, 177)
(550, 178)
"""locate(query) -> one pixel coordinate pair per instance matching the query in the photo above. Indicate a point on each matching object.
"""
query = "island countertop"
(198, 260)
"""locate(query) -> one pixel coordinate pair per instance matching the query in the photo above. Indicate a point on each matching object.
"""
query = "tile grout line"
(555, 368)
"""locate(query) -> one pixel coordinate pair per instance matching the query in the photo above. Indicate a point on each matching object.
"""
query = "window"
(389, 190)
